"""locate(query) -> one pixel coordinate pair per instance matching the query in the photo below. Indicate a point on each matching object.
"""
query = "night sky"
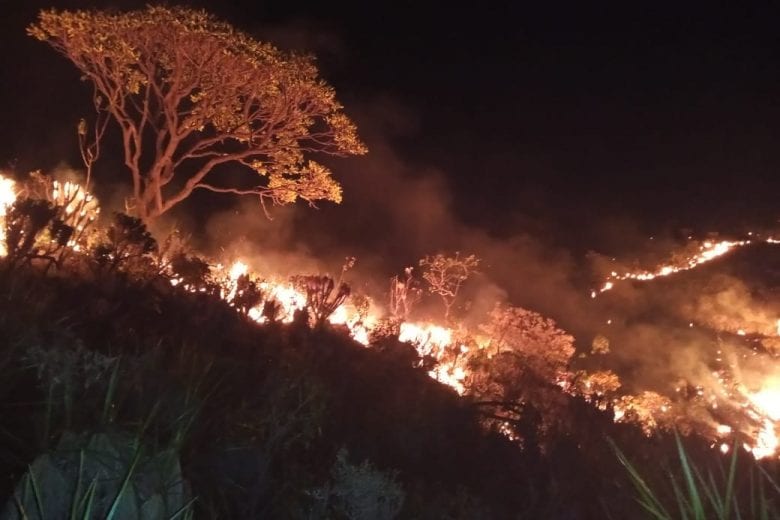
(569, 122)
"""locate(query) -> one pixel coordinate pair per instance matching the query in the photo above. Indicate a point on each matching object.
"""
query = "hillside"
(258, 414)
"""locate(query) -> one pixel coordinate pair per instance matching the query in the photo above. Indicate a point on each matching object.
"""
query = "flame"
(752, 414)
(439, 342)
(238, 270)
(707, 252)
(291, 300)
(766, 442)
(427, 338)
(7, 197)
(452, 377)
(359, 327)
(768, 401)
(79, 208)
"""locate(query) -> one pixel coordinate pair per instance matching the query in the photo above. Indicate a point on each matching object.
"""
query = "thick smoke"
(397, 210)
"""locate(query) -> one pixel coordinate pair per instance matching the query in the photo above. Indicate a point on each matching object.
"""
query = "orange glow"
(707, 251)
(79, 207)
(427, 338)
(7, 197)
(766, 442)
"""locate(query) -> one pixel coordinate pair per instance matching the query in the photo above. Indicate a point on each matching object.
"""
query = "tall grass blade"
(47, 418)
(682, 502)
(730, 483)
(764, 509)
(769, 478)
(184, 511)
(693, 491)
(125, 482)
(110, 392)
(149, 418)
(75, 502)
(88, 500)
(710, 488)
(647, 499)
(20, 507)
(36, 493)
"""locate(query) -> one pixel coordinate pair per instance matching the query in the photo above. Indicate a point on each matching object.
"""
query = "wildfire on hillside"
(750, 408)
(707, 252)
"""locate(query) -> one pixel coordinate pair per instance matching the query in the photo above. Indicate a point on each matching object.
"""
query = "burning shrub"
(192, 272)
(521, 365)
(535, 340)
(385, 331)
(362, 304)
(404, 294)
(600, 345)
(598, 387)
(34, 231)
(650, 410)
(76, 207)
(321, 300)
(446, 274)
(247, 294)
(126, 247)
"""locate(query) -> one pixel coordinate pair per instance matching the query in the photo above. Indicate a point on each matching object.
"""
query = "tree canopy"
(191, 93)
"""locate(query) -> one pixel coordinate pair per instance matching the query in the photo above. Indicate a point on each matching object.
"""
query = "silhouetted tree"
(322, 296)
(404, 294)
(191, 93)
(446, 274)
(193, 273)
(127, 242)
(248, 294)
(33, 230)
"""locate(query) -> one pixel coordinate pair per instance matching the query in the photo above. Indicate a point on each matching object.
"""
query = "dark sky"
(557, 118)
(570, 113)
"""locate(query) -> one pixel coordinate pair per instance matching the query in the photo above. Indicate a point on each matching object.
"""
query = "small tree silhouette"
(127, 244)
(248, 294)
(322, 296)
(404, 294)
(193, 272)
(446, 274)
(34, 231)
(76, 207)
